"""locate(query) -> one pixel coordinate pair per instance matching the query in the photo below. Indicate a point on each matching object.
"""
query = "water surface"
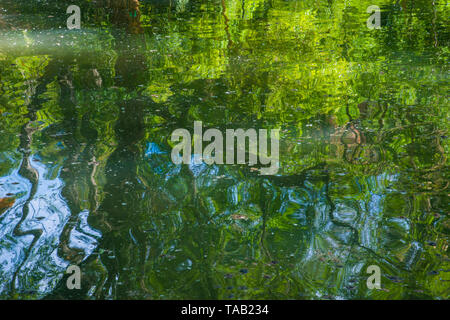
(86, 176)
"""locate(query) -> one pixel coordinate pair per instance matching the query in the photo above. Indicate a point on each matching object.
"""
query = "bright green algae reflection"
(86, 176)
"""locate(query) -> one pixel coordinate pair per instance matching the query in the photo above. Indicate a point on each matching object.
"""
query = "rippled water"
(86, 176)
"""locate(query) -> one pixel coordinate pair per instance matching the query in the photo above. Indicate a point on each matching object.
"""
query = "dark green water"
(86, 176)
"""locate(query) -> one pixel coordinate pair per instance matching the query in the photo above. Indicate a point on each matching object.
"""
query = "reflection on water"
(31, 234)
(86, 176)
